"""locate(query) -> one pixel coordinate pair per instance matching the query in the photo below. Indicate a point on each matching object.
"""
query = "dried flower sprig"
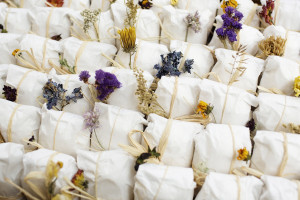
(272, 46)
(55, 3)
(79, 181)
(90, 18)
(10, 93)
(267, 11)
(200, 172)
(193, 22)
(292, 128)
(243, 154)
(231, 26)
(144, 156)
(2, 29)
(131, 13)
(64, 64)
(174, 2)
(147, 98)
(56, 37)
(55, 95)
(171, 63)
(105, 83)
(204, 109)
(51, 174)
(128, 41)
(297, 86)
(231, 3)
(145, 4)
(237, 69)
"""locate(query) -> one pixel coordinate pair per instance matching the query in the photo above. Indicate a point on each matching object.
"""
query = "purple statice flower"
(84, 76)
(193, 21)
(105, 84)
(91, 120)
(231, 25)
(10, 93)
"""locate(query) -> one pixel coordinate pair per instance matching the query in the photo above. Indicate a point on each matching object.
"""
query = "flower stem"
(98, 140)
(186, 34)
(130, 60)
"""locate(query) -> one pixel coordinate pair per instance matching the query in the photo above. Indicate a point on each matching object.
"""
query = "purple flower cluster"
(193, 21)
(105, 82)
(231, 24)
(91, 120)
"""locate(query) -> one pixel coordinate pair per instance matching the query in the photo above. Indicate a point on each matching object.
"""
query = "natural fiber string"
(10, 3)
(173, 98)
(21, 81)
(2, 140)
(136, 54)
(225, 102)
(163, 142)
(285, 155)
(44, 52)
(282, 114)
(70, 3)
(6, 18)
(187, 6)
(96, 173)
(113, 128)
(298, 187)
(56, 127)
(234, 150)
(9, 127)
(79, 53)
(277, 4)
(48, 22)
(184, 56)
(160, 184)
(286, 38)
(238, 181)
(251, 15)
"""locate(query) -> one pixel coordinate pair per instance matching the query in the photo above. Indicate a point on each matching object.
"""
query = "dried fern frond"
(272, 46)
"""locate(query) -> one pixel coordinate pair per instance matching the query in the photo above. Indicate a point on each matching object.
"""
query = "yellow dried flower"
(79, 180)
(204, 109)
(243, 154)
(297, 86)
(15, 52)
(231, 3)
(272, 46)
(53, 169)
(174, 2)
(127, 39)
(62, 197)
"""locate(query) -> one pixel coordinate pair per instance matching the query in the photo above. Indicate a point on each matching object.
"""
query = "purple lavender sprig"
(193, 21)
(231, 25)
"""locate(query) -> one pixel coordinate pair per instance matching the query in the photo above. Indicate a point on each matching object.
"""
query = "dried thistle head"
(131, 13)
(128, 39)
(272, 46)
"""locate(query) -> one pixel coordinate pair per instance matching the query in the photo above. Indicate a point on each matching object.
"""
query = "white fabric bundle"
(180, 139)
(76, 4)
(29, 84)
(18, 122)
(249, 37)
(8, 42)
(174, 27)
(275, 110)
(36, 161)
(185, 96)
(70, 82)
(224, 186)
(115, 124)
(217, 147)
(225, 70)
(125, 97)
(277, 188)
(104, 24)
(104, 5)
(16, 20)
(202, 55)
(43, 50)
(231, 104)
(280, 73)
(282, 150)
(87, 55)
(50, 22)
(3, 5)
(147, 23)
(292, 45)
(164, 182)
(147, 55)
(200, 5)
(109, 173)
(11, 166)
(62, 131)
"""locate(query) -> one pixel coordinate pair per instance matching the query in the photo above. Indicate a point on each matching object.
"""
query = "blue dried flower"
(84, 76)
(188, 65)
(75, 95)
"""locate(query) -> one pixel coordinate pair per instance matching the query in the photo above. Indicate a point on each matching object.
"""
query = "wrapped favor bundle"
(40, 51)
(86, 55)
(16, 20)
(175, 25)
(202, 55)
(146, 56)
(282, 154)
(50, 22)
(11, 167)
(280, 74)
(232, 105)
(45, 172)
(277, 188)
(101, 31)
(63, 132)
(19, 122)
(110, 174)
(115, 124)
(178, 96)
(225, 186)
(277, 112)
(9, 43)
(164, 182)
(32, 4)
(230, 62)
(173, 139)
(222, 148)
